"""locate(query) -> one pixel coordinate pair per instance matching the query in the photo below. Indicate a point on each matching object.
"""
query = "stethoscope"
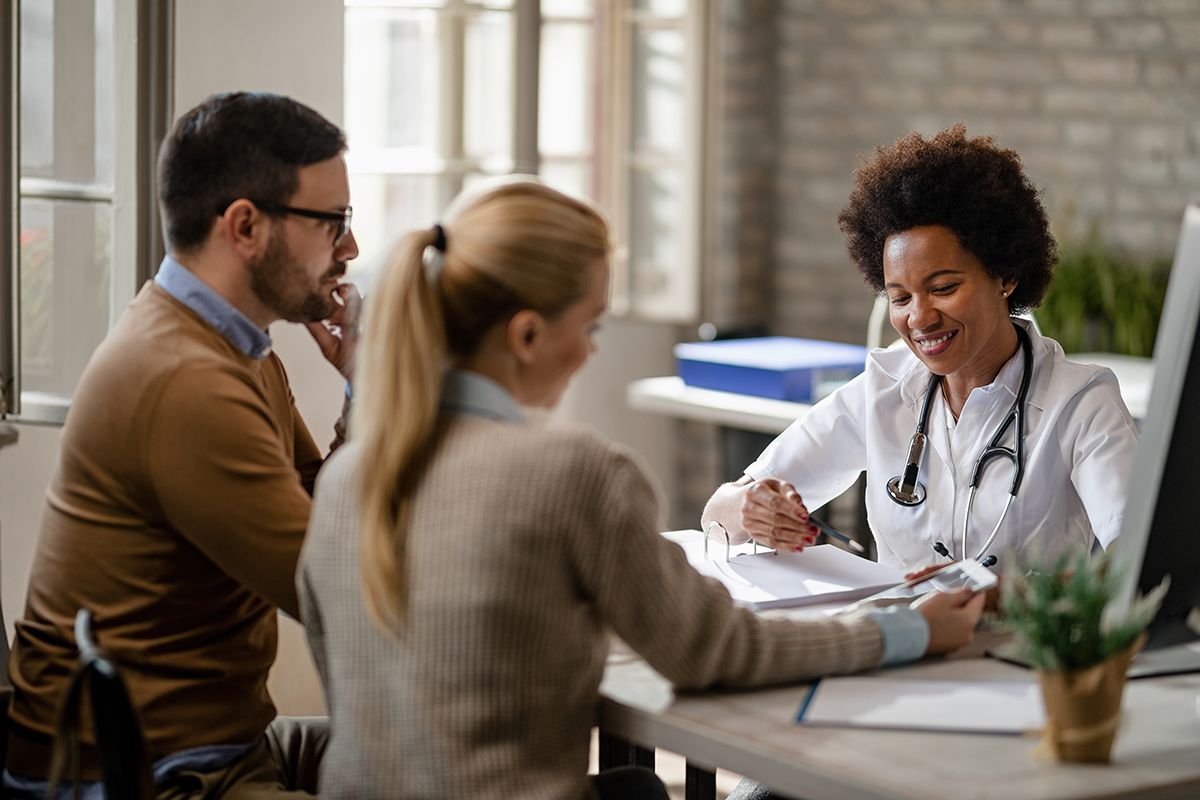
(908, 491)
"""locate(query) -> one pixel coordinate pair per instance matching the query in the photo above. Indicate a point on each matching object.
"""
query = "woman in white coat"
(954, 234)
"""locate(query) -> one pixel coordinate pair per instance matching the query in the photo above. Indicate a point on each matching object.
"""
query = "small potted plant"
(1066, 626)
(1104, 301)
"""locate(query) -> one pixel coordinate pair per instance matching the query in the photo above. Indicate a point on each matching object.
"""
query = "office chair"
(123, 761)
(8, 436)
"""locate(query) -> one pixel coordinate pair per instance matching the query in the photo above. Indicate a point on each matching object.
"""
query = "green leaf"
(1101, 301)
(1063, 618)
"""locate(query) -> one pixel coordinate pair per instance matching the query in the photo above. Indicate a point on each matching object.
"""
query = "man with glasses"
(182, 493)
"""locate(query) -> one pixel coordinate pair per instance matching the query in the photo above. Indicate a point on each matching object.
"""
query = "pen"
(836, 534)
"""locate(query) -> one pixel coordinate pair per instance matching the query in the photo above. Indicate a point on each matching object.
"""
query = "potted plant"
(1067, 627)
(1100, 300)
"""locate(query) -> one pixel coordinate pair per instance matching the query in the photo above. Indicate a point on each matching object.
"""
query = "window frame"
(613, 25)
(621, 158)
(453, 166)
(142, 53)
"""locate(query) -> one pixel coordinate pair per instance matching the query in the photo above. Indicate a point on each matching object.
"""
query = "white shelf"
(672, 397)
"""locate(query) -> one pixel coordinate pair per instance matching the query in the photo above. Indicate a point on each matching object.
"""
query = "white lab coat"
(1079, 447)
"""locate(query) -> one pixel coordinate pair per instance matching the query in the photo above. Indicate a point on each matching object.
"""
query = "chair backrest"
(124, 763)
(6, 689)
(8, 436)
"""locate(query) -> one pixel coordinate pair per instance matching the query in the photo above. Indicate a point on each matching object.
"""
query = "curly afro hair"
(968, 185)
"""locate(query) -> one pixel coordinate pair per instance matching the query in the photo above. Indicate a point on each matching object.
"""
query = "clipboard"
(820, 574)
(923, 704)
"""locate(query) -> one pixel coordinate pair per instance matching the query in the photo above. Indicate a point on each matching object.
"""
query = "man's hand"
(337, 336)
(952, 618)
(773, 514)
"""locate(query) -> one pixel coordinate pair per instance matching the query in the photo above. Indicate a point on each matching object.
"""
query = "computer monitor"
(1161, 532)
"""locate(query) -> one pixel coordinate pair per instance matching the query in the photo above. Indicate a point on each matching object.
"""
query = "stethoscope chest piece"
(895, 490)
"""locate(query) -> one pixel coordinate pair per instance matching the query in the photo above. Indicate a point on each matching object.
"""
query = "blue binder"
(780, 367)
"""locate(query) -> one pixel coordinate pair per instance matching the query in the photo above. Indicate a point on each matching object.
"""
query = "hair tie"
(432, 257)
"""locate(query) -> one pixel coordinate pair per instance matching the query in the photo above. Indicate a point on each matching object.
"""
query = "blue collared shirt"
(465, 392)
(905, 631)
(181, 283)
(206, 758)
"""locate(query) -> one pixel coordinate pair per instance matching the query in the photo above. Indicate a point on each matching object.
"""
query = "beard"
(283, 286)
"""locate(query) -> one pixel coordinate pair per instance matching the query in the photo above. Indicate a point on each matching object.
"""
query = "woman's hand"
(991, 600)
(952, 618)
(772, 513)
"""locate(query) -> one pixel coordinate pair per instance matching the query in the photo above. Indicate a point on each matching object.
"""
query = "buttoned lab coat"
(1079, 447)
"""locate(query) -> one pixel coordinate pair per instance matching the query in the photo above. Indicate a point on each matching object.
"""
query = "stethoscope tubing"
(907, 490)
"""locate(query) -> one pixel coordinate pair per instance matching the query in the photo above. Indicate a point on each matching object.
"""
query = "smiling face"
(945, 306)
(296, 276)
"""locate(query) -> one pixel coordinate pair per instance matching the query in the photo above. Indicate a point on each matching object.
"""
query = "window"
(439, 93)
(570, 89)
(656, 199)
(430, 106)
(70, 126)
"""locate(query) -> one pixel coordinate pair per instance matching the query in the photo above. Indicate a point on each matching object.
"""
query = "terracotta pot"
(1083, 708)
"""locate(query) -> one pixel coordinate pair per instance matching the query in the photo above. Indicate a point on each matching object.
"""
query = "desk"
(1157, 753)
(671, 396)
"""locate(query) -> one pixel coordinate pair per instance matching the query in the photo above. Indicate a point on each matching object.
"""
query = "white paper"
(921, 704)
(819, 574)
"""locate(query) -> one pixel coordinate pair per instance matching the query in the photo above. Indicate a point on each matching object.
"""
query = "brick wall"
(745, 139)
(1101, 98)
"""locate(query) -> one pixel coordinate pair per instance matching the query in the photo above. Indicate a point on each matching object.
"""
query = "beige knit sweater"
(526, 546)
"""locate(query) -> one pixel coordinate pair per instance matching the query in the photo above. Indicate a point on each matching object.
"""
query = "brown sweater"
(176, 514)
(526, 546)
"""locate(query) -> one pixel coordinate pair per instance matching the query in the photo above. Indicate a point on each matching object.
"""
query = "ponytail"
(401, 363)
(519, 245)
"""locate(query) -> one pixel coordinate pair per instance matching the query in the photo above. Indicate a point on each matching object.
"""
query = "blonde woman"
(463, 569)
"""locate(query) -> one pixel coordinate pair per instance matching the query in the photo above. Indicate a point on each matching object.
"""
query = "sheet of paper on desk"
(820, 574)
(921, 704)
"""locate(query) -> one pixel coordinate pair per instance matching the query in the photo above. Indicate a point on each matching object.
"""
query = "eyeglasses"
(342, 218)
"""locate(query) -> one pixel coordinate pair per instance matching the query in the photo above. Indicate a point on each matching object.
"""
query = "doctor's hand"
(772, 514)
(337, 335)
(952, 618)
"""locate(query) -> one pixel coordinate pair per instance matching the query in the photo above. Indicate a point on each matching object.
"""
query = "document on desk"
(1012, 707)
(819, 574)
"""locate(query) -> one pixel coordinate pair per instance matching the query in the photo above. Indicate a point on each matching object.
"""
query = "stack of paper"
(819, 574)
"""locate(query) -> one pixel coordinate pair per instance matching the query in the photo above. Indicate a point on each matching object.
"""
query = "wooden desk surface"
(1157, 753)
